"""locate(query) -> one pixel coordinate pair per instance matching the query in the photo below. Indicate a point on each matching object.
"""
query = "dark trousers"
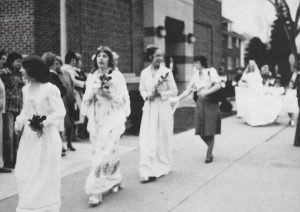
(69, 135)
(10, 140)
(297, 136)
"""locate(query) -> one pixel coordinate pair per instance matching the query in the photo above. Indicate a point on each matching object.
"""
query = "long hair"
(11, 58)
(108, 52)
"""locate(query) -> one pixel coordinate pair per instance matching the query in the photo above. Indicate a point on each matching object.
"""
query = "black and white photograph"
(149, 105)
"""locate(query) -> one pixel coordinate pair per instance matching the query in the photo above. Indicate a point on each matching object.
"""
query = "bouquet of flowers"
(105, 84)
(161, 80)
(36, 125)
(104, 79)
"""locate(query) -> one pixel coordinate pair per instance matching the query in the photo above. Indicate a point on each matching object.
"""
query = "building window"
(229, 63)
(229, 42)
(234, 42)
(237, 62)
(237, 43)
(229, 27)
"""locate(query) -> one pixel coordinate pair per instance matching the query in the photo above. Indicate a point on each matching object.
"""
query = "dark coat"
(54, 79)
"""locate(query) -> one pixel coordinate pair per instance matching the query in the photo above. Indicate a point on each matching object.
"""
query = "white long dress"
(106, 123)
(38, 167)
(257, 104)
(156, 130)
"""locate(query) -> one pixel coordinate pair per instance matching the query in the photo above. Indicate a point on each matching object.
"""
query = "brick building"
(232, 42)
(182, 28)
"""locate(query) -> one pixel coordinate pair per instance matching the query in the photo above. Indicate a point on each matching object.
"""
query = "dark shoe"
(71, 148)
(150, 179)
(5, 170)
(63, 154)
(63, 150)
(209, 159)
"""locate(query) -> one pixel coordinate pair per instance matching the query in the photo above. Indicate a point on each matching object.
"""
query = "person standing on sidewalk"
(297, 85)
(13, 83)
(49, 59)
(68, 99)
(70, 67)
(38, 167)
(207, 111)
(104, 103)
(2, 111)
(157, 85)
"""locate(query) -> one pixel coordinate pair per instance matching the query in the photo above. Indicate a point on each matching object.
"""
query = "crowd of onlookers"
(70, 79)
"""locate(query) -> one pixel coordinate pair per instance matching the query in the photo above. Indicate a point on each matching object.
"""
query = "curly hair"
(11, 58)
(108, 52)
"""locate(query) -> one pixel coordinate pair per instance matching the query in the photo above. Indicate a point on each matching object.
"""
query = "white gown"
(106, 123)
(156, 130)
(38, 167)
(257, 105)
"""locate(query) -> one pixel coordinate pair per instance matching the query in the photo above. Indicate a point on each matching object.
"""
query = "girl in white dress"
(38, 167)
(157, 85)
(257, 104)
(104, 103)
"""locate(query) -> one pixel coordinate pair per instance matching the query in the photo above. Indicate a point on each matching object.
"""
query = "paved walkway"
(255, 169)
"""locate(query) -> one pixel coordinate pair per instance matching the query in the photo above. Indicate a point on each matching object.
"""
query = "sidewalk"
(255, 169)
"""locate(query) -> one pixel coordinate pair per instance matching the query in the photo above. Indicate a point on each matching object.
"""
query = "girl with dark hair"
(207, 112)
(157, 85)
(104, 104)
(38, 167)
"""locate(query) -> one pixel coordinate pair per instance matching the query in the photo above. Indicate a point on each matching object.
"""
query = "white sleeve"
(22, 117)
(214, 77)
(88, 95)
(57, 106)
(142, 88)
(120, 96)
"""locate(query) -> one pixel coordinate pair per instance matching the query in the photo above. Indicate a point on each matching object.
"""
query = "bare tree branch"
(272, 2)
(297, 15)
(288, 11)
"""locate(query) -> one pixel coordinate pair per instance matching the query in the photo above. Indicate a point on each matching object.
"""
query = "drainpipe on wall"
(63, 29)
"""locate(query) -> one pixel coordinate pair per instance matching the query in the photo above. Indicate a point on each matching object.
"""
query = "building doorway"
(175, 54)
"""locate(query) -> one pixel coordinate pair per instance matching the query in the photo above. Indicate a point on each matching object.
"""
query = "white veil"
(256, 70)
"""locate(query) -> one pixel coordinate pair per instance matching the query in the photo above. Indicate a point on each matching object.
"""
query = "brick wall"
(115, 23)
(47, 26)
(207, 28)
(17, 26)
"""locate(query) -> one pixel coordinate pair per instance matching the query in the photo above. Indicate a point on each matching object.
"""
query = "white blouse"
(205, 80)
(46, 102)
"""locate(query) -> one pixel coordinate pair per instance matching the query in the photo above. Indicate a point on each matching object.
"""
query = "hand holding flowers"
(102, 85)
(36, 124)
(157, 87)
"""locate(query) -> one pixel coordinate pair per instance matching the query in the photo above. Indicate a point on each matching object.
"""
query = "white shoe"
(95, 200)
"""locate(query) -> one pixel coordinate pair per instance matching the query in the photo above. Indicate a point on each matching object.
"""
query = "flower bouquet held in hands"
(161, 80)
(36, 124)
(105, 84)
